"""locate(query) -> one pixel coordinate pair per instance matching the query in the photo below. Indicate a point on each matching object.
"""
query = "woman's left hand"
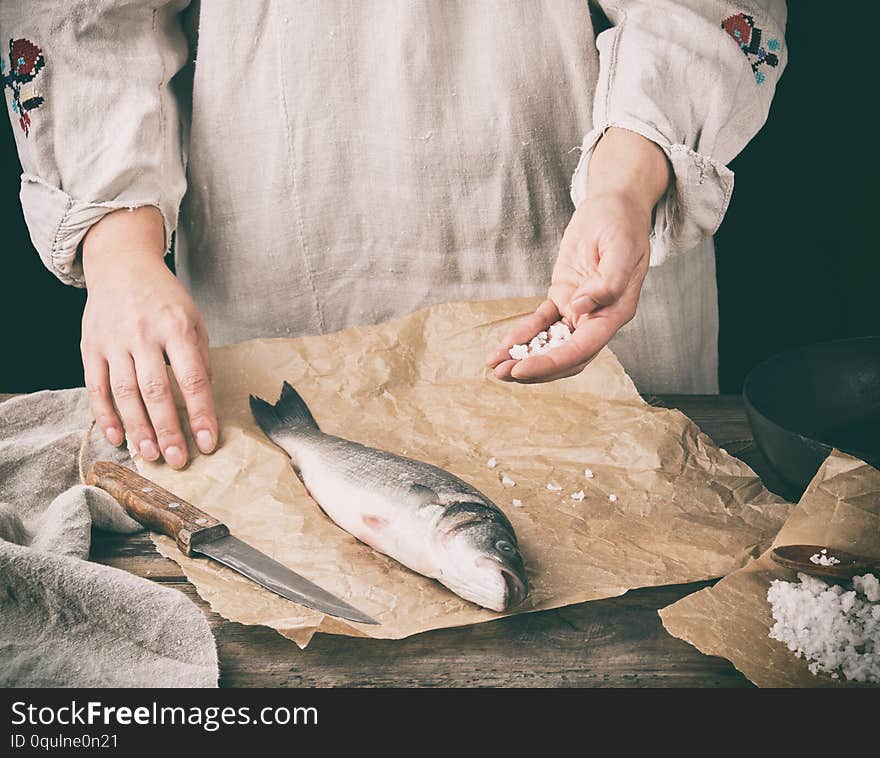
(602, 262)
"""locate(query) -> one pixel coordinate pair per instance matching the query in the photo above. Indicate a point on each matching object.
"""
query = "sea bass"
(420, 515)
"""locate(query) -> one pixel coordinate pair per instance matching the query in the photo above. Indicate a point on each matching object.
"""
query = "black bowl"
(806, 401)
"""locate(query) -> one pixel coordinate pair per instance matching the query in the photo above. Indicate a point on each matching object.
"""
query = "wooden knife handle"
(156, 508)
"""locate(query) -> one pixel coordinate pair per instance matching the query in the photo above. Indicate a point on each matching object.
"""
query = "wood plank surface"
(618, 642)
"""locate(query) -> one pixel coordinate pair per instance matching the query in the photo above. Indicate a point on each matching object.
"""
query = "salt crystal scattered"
(553, 487)
(824, 550)
(612, 498)
(507, 481)
(492, 463)
(579, 495)
(517, 503)
(588, 472)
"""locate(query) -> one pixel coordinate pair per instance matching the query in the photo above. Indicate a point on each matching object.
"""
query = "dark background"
(797, 261)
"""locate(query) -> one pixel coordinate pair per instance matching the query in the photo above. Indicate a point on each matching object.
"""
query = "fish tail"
(290, 412)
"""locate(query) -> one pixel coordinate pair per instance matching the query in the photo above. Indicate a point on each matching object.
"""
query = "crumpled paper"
(685, 510)
(840, 509)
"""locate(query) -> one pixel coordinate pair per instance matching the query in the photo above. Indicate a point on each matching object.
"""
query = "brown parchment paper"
(840, 509)
(418, 386)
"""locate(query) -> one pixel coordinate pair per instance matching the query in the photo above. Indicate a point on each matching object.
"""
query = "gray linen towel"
(65, 622)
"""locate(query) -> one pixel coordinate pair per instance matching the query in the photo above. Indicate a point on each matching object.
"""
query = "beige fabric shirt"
(347, 162)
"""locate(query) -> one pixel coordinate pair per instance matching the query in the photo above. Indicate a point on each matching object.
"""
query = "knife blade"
(196, 532)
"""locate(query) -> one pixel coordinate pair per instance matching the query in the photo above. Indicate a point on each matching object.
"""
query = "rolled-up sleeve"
(696, 77)
(88, 89)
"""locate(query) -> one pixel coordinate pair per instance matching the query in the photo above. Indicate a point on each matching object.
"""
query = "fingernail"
(205, 440)
(114, 436)
(584, 304)
(149, 450)
(173, 456)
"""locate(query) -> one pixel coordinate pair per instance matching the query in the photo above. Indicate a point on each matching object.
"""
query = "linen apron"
(326, 163)
(378, 156)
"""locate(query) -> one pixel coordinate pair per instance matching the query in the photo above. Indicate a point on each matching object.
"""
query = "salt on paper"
(612, 498)
(836, 630)
(543, 342)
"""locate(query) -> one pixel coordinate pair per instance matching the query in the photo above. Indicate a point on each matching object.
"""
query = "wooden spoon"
(797, 558)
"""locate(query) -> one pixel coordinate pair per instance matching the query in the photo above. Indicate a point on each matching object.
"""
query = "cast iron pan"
(806, 401)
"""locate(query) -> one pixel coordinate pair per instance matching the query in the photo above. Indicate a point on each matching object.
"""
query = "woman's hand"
(602, 263)
(137, 315)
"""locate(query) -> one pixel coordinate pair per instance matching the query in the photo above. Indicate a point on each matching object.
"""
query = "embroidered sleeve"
(96, 125)
(25, 63)
(697, 78)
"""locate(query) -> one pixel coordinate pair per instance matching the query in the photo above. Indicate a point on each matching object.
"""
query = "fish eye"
(504, 546)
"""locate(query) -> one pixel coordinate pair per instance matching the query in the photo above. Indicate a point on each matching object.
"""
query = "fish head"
(482, 561)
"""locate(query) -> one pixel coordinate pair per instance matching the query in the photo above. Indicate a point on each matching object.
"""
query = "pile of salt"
(836, 630)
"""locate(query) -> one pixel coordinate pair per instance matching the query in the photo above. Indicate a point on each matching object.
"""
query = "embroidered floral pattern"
(744, 32)
(25, 62)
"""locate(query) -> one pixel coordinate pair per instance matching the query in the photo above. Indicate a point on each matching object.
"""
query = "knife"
(198, 533)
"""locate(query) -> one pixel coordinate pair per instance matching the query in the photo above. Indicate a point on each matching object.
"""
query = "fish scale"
(382, 469)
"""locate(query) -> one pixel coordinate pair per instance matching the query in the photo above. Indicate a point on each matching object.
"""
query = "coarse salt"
(559, 331)
(869, 586)
(517, 503)
(579, 495)
(507, 481)
(612, 498)
(542, 343)
(518, 352)
(836, 630)
(588, 472)
(492, 463)
(553, 487)
(824, 560)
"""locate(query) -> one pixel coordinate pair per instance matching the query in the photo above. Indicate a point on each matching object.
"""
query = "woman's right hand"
(137, 315)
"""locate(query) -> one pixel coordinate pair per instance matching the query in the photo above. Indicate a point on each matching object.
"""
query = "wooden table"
(616, 642)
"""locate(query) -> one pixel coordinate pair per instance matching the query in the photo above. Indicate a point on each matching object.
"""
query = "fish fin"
(288, 413)
(375, 523)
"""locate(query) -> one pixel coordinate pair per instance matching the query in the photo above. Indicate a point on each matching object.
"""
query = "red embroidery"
(744, 32)
(25, 63)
